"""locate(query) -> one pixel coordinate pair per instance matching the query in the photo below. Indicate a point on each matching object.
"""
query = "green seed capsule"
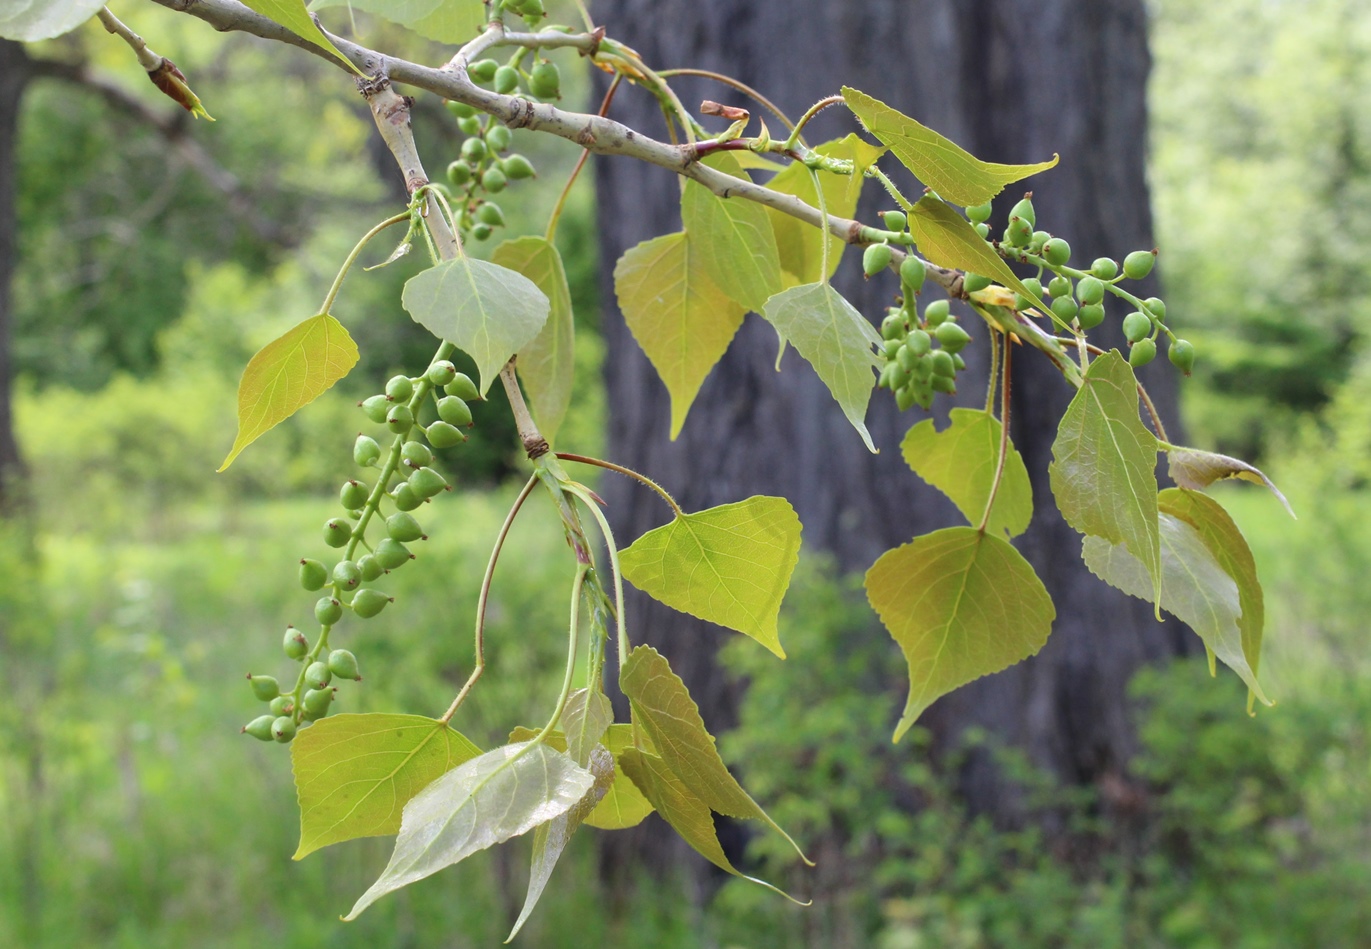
(403, 527)
(1024, 209)
(265, 688)
(506, 80)
(490, 213)
(390, 554)
(984, 231)
(919, 343)
(482, 232)
(426, 483)
(936, 312)
(875, 259)
(404, 497)
(498, 138)
(260, 727)
(463, 388)
(978, 213)
(1090, 316)
(1035, 246)
(483, 70)
(494, 180)
(376, 408)
(904, 398)
(1019, 232)
(952, 338)
(416, 454)
(1182, 355)
(891, 348)
(313, 575)
(399, 419)
(282, 705)
(894, 220)
(469, 126)
(400, 388)
(889, 373)
(368, 602)
(912, 273)
(441, 373)
(328, 611)
(1136, 325)
(1059, 287)
(1056, 252)
(1142, 353)
(1138, 264)
(460, 109)
(906, 358)
(283, 729)
(1104, 268)
(1065, 308)
(365, 451)
(974, 281)
(946, 384)
(1090, 290)
(369, 567)
(295, 644)
(347, 575)
(474, 151)
(958, 361)
(442, 435)
(454, 411)
(458, 174)
(337, 532)
(892, 327)
(517, 167)
(353, 495)
(545, 81)
(1156, 306)
(343, 664)
(1035, 287)
(533, 10)
(318, 676)
(941, 361)
(317, 701)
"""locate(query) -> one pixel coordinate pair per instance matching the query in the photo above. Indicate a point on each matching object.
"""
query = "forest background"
(155, 257)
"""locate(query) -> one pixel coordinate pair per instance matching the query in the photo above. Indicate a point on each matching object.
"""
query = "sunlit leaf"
(960, 461)
(732, 239)
(355, 773)
(961, 605)
(938, 162)
(289, 373)
(729, 565)
(550, 839)
(31, 20)
(293, 15)
(680, 317)
(1192, 468)
(833, 338)
(446, 21)
(487, 800)
(547, 365)
(1102, 473)
(624, 805)
(487, 311)
(800, 244)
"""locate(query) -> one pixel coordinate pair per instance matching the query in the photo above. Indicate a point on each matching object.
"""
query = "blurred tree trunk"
(1012, 83)
(14, 75)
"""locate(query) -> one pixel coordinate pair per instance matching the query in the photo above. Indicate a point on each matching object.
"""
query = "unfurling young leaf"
(289, 373)
(961, 604)
(836, 340)
(547, 365)
(487, 311)
(1196, 469)
(729, 565)
(355, 773)
(960, 461)
(732, 238)
(938, 162)
(483, 802)
(679, 316)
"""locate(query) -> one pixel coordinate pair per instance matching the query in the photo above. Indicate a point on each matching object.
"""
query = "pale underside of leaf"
(624, 806)
(586, 717)
(1197, 470)
(961, 605)
(502, 794)
(487, 311)
(355, 773)
(682, 320)
(938, 162)
(1103, 459)
(961, 461)
(547, 365)
(732, 238)
(729, 565)
(293, 15)
(28, 21)
(836, 340)
(289, 373)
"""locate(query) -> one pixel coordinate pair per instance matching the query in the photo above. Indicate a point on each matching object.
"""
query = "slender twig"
(611, 466)
(812, 111)
(994, 369)
(146, 57)
(589, 502)
(580, 162)
(570, 673)
(483, 599)
(351, 258)
(742, 87)
(1004, 438)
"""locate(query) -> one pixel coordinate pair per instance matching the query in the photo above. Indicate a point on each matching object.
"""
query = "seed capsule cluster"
(922, 352)
(485, 168)
(405, 479)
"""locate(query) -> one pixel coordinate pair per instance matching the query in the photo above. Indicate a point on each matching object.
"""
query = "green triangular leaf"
(833, 338)
(289, 373)
(446, 21)
(938, 162)
(801, 245)
(31, 20)
(680, 318)
(961, 605)
(585, 718)
(487, 800)
(354, 773)
(1196, 469)
(733, 239)
(487, 311)
(293, 16)
(1102, 474)
(960, 461)
(729, 565)
(547, 365)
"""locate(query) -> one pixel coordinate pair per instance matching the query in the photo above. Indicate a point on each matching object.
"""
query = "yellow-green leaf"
(446, 21)
(548, 364)
(289, 373)
(487, 311)
(938, 162)
(1102, 473)
(1196, 469)
(960, 461)
(732, 239)
(678, 315)
(355, 773)
(293, 16)
(800, 244)
(833, 338)
(729, 565)
(961, 604)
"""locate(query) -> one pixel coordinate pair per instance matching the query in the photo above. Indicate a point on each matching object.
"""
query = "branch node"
(596, 37)
(520, 114)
